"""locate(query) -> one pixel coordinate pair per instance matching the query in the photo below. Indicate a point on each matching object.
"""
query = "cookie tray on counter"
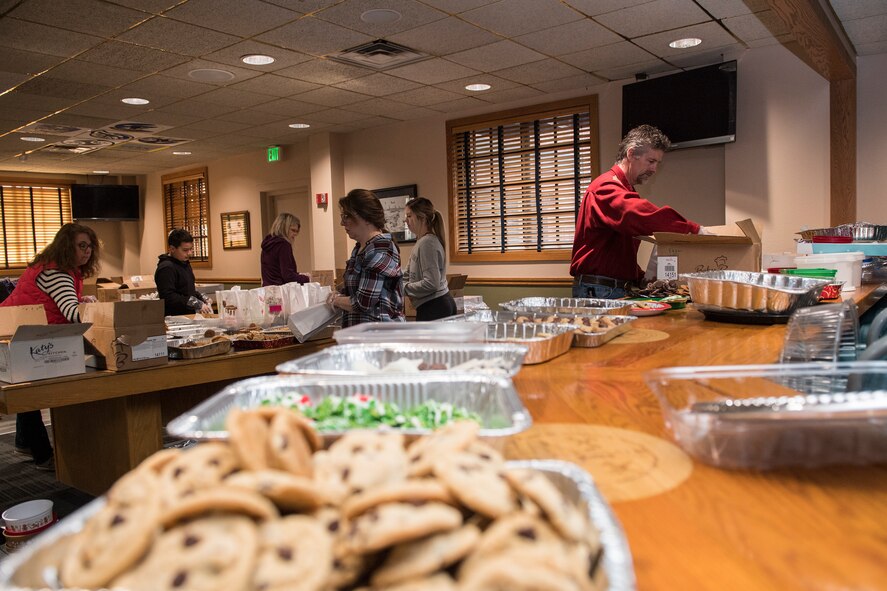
(492, 398)
(567, 305)
(26, 569)
(543, 341)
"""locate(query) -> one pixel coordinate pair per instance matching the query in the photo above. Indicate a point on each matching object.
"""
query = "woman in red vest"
(54, 279)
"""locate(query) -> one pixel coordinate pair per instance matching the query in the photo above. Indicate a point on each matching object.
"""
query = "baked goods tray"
(502, 359)
(777, 416)
(198, 349)
(768, 293)
(492, 398)
(592, 331)
(30, 568)
(567, 306)
(543, 341)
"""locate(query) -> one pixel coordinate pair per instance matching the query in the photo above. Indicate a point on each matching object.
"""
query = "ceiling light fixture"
(478, 87)
(31, 138)
(380, 16)
(135, 101)
(210, 75)
(257, 59)
(300, 125)
(685, 43)
(101, 172)
(181, 153)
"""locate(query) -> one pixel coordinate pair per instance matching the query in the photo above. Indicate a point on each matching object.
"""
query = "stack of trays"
(584, 306)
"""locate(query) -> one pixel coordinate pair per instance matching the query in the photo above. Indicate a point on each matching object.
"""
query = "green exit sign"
(273, 153)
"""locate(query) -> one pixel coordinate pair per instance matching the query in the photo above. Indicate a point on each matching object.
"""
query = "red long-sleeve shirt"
(609, 218)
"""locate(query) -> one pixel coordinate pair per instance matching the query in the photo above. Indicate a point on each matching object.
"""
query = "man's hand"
(206, 309)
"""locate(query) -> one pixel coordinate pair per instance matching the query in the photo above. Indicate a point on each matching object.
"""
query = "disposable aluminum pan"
(568, 306)
(766, 293)
(583, 337)
(502, 359)
(19, 571)
(543, 341)
(493, 398)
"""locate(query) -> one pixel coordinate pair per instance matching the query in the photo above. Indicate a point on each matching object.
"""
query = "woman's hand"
(88, 299)
(339, 302)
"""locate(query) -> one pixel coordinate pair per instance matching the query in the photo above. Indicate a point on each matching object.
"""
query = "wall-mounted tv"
(694, 108)
(105, 202)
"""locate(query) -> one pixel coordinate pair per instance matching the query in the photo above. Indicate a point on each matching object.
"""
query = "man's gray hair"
(641, 139)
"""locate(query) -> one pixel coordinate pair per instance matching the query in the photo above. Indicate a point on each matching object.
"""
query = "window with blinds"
(31, 215)
(516, 180)
(186, 205)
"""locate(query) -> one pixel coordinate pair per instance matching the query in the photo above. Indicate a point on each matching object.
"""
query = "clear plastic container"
(774, 416)
(847, 264)
(412, 332)
(829, 332)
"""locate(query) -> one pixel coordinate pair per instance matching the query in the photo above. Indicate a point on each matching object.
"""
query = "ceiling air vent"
(379, 55)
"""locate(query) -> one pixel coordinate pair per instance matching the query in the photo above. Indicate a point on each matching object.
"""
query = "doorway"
(298, 203)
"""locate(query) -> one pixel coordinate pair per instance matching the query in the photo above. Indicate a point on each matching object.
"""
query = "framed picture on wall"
(235, 230)
(393, 200)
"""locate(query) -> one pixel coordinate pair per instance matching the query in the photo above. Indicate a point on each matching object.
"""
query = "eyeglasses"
(85, 246)
(346, 217)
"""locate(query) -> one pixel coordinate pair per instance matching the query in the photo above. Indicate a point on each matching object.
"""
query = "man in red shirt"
(605, 249)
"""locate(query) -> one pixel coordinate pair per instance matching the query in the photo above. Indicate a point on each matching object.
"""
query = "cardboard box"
(735, 247)
(115, 289)
(326, 277)
(37, 350)
(126, 335)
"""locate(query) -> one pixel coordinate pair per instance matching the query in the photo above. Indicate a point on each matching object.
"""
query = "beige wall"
(871, 136)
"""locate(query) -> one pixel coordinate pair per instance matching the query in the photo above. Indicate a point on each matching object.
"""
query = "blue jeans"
(593, 290)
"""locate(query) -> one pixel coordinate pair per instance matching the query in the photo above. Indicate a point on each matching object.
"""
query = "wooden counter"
(690, 525)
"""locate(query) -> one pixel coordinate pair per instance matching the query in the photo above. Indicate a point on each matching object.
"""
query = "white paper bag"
(306, 321)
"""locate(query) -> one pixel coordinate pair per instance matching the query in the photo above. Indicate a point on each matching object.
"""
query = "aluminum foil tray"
(502, 359)
(843, 230)
(409, 332)
(493, 398)
(567, 306)
(766, 293)
(583, 337)
(543, 341)
(575, 483)
(765, 417)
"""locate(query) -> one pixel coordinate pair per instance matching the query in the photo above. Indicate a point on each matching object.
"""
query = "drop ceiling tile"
(324, 71)
(158, 84)
(871, 48)
(412, 113)
(31, 102)
(283, 58)
(92, 73)
(466, 104)
(458, 86)
(305, 6)
(26, 62)
(190, 133)
(243, 18)
(314, 36)
(496, 56)
(751, 27)
(114, 97)
(712, 34)
(11, 80)
(649, 67)
(118, 112)
(596, 7)
(518, 17)
(268, 131)
(148, 6)
(653, 17)
(457, 6)
(425, 96)
(170, 35)
(240, 74)
(432, 71)
(727, 8)
(569, 38)
(607, 57)
(335, 116)
(854, 9)
(444, 37)
(376, 106)
(197, 108)
(85, 16)
(19, 34)
(236, 98)
(375, 122)
(584, 81)
(331, 97)
(285, 107)
(79, 121)
(548, 69)
(68, 90)
(867, 30)
(511, 94)
(707, 58)
(413, 14)
(378, 85)
(161, 118)
(131, 57)
(274, 85)
(252, 117)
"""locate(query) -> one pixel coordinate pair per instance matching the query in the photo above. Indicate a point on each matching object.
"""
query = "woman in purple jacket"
(278, 262)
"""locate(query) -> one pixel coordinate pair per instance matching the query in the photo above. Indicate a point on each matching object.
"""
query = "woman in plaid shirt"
(373, 289)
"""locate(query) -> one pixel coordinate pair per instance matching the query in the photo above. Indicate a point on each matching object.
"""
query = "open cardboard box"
(126, 335)
(733, 246)
(31, 349)
(115, 289)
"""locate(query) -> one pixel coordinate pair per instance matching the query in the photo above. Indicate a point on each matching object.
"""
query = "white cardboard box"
(38, 350)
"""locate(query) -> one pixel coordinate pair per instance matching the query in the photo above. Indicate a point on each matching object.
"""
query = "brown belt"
(605, 281)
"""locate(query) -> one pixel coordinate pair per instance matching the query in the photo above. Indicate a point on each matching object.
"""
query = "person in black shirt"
(175, 278)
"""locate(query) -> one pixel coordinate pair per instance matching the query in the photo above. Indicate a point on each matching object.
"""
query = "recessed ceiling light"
(181, 153)
(257, 59)
(210, 75)
(300, 125)
(101, 171)
(135, 101)
(31, 138)
(477, 87)
(685, 43)
(380, 16)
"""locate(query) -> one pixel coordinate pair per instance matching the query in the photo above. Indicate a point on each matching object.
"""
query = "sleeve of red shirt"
(628, 213)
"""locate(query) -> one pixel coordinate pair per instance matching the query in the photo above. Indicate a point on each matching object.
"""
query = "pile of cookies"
(271, 510)
(586, 324)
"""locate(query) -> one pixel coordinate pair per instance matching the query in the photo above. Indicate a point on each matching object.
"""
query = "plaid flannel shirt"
(374, 282)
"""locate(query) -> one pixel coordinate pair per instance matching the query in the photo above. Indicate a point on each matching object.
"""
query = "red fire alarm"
(321, 199)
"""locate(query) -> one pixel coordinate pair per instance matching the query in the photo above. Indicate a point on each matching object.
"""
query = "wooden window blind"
(186, 205)
(516, 180)
(31, 215)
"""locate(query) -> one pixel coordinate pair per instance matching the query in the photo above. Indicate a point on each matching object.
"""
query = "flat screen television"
(693, 108)
(105, 202)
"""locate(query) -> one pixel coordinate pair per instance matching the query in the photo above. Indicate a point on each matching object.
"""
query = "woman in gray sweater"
(425, 280)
